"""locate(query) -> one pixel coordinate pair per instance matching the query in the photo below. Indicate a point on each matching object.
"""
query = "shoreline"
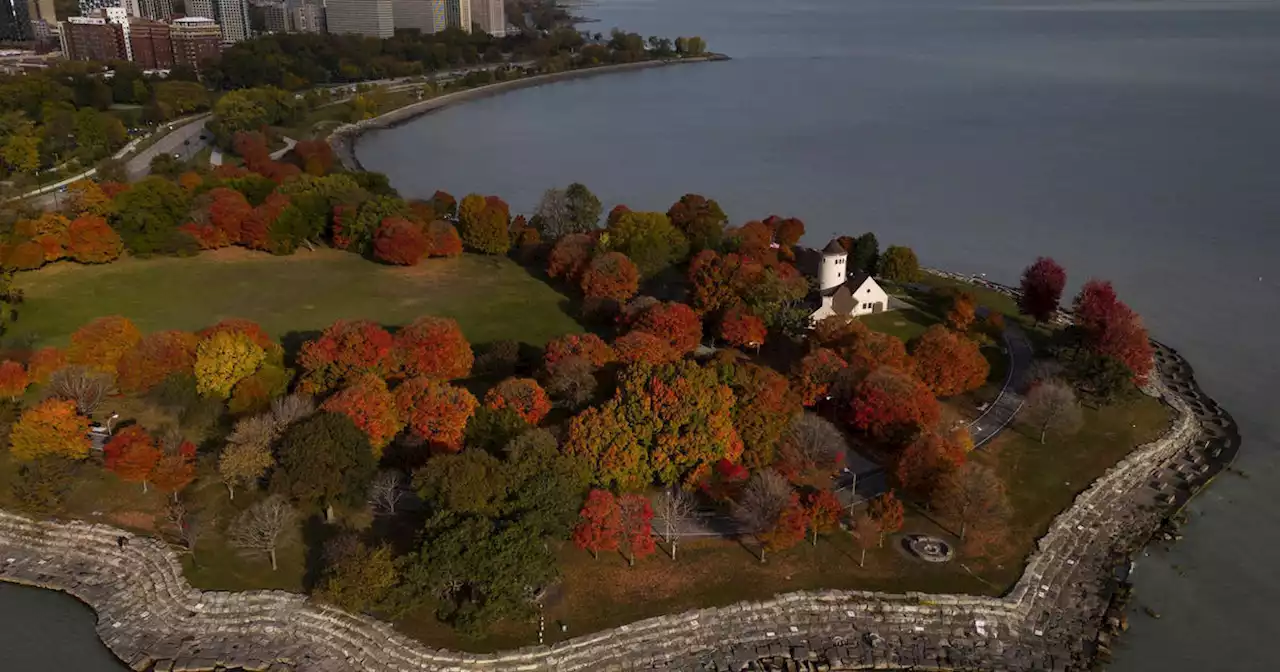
(343, 138)
(1053, 618)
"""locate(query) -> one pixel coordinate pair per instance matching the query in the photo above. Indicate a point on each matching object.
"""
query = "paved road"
(175, 142)
(1002, 411)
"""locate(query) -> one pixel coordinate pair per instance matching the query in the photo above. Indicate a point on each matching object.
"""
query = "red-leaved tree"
(522, 395)
(570, 256)
(813, 375)
(587, 346)
(91, 241)
(443, 240)
(636, 516)
(1042, 285)
(676, 323)
(1111, 329)
(435, 411)
(892, 406)
(132, 455)
(399, 241)
(611, 276)
(600, 523)
(228, 210)
(433, 347)
(741, 329)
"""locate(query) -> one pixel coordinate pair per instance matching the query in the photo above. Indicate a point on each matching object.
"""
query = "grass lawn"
(905, 323)
(492, 298)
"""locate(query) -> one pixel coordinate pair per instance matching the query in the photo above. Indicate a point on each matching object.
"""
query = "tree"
(386, 491)
(814, 441)
(13, 379)
(243, 464)
(864, 253)
(570, 257)
(788, 530)
(228, 211)
(100, 343)
(399, 241)
(571, 381)
(85, 387)
(674, 322)
(148, 215)
(260, 528)
(433, 347)
(642, 347)
(740, 328)
(41, 486)
(522, 395)
(763, 407)
(91, 241)
(789, 232)
(1052, 407)
(892, 406)
(224, 359)
(188, 524)
(131, 454)
(764, 499)
(471, 482)
(156, 357)
(611, 276)
(973, 495)
(484, 225)
(344, 351)
(490, 429)
(584, 207)
(176, 470)
(51, 427)
(823, 511)
(371, 406)
(44, 362)
(948, 363)
(324, 459)
(962, 313)
(924, 464)
(899, 264)
(701, 220)
(1110, 329)
(649, 240)
(636, 516)
(866, 532)
(589, 347)
(601, 524)
(1042, 285)
(553, 216)
(443, 240)
(602, 439)
(316, 156)
(813, 375)
(360, 578)
(435, 412)
(673, 509)
(887, 512)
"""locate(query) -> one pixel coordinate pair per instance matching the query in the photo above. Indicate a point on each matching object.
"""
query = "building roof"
(853, 282)
(834, 248)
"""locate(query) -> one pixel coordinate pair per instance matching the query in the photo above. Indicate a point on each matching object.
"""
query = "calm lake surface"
(1134, 141)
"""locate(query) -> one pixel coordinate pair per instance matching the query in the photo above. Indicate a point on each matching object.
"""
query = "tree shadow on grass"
(315, 535)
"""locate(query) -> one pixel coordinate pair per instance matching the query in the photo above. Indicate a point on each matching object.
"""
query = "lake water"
(1132, 141)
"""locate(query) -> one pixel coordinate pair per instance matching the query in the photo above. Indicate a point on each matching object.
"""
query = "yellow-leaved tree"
(51, 427)
(224, 359)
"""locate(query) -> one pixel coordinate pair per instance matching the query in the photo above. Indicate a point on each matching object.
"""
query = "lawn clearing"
(492, 298)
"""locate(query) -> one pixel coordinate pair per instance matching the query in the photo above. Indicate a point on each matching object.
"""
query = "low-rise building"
(151, 44)
(90, 38)
(195, 40)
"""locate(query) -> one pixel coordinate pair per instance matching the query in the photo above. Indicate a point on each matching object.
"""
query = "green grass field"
(492, 298)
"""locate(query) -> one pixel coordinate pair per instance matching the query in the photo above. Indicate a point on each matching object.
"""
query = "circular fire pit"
(929, 549)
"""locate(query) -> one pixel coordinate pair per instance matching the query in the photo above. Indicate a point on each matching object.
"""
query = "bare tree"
(189, 525)
(866, 533)
(554, 214)
(973, 495)
(815, 439)
(386, 491)
(260, 527)
(763, 500)
(86, 387)
(670, 511)
(1052, 407)
(287, 410)
(257, 430)
(572, 381)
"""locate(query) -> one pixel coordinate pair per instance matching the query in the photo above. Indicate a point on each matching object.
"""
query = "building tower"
(490, 16)
(373, 18)
(834, 268)
(459, 12)
(427, 16)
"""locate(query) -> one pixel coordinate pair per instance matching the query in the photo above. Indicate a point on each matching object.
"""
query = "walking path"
(1006, 405)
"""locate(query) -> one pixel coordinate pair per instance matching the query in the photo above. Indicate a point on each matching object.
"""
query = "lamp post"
(111, 419)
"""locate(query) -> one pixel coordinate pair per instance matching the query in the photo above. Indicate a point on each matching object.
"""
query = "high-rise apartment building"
(490, 16)
(374, 18)
(158, 10)
(90, 38)
(195, 40)
(427, 16)
(15, 20)
(306, 17)
(459, 14)
(275, 16)
(87, 6)
(151, 44)
(231, 15)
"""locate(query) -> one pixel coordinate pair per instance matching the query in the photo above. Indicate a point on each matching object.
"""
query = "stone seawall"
(343, 139)
(152, 619)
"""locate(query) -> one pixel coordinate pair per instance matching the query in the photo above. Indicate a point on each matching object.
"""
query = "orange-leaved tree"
(44, 362)
(91, 241)
(433, 347)
(611, 276)
(742, 329)
(176, 469)
(13, 379)
(344, 351)
(51, 427)
(156, 357)
(570, 256)
(673, 322)
(371, 406)
(813, 375)
(587, 346)
(101, 343)
(948, 363)
(888, 513)
(443, 240)
(823, 508)
(522, 395)
(399, 241)
(642, 347)
(435, 411)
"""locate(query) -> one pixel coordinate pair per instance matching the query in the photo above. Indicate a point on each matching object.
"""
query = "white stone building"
(842, 291)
